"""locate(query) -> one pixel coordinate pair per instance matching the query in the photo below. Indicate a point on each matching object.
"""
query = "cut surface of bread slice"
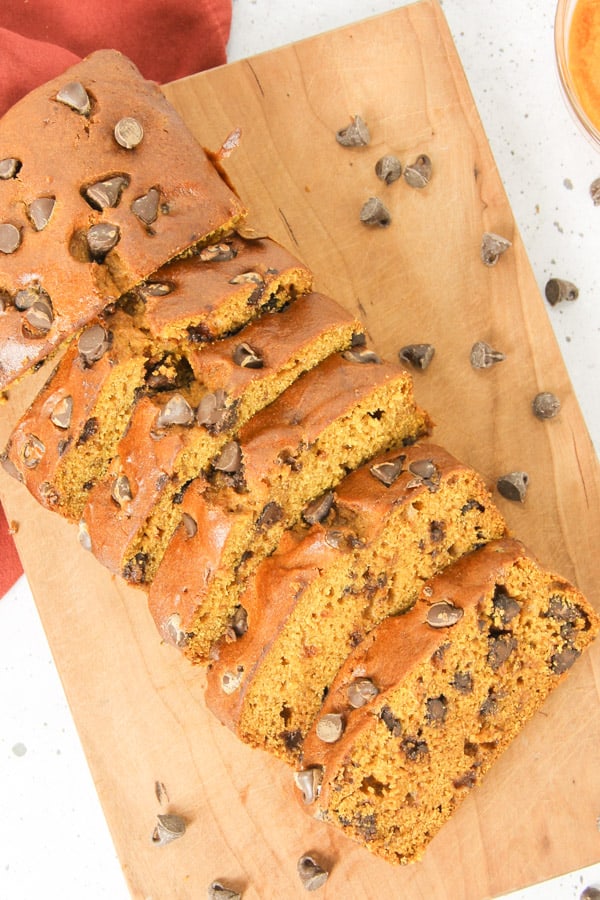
(381, 533)
(420, 711)
(329, 421)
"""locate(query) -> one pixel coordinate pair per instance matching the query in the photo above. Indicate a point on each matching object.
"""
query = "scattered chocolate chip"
(504, 605)
(213, 412)
(545, 405)
(231, 681)
(311, 874)
(245, 356)
(128, 133)
(499, 649)
(271, 514)
(190, 525)
(248, 278)
(308, 782)
(38, 317)
(590, 893)
(462, 682)
(388, 471)
(319, 509)
(358, 355)
(75, 95)
(176, 411)
(563, 660)
(218, 891)
(238, 624)
(292, 739)
(391, 722)
(443, 614)
(361, 692)
(9, 167)
(39, 211)
(513, 485)
(423, 468)
(558, 608)
(484, 357)
(492, 248)
(121, 490)
(33, 451)
(557, 290)
(217, 253)
(89, 429)
(62, 412)
(106, 194)
(436, 709)
(93, 343)
(229, 459)
(388, 168)
(356, 134)
(414, 748)
(418, 356)
(374, 212)
(10, 238)
(418, 175)
(489, 707)
(101, 239)
(146, 206)
(595, 191)
(330, 728)
(467, 780)
(169, 827)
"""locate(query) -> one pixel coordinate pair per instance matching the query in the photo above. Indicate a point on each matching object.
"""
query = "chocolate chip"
(93, 343)
(391, 722)
(121, 490)
(38, 317)
(492, 248)
(89, 429)
(238, 624)
(9, 167)
(176, 411)
(557, 290)
(84, 536)
(558, 608)
(505, 606)
(418, 174)
(271, 514)
(513, 486)
(26, 298)
(388, 168)
(499, 649)
(462, 682)
(10, 238)
(128, 132)
(75, 95)
(292, 739)
(545, 405)
(418, 356)
(414, 748)
(330, 728)
(101, 239)
(361, 692)
(436, 709)
(146, 206)
(356, 134)
(246, 357)
(319, 509)
(361, 356)
(248, 278)
(156, 288)
(374, 212)
(308, 782)
(229, 459)
(218, 891)
(214, 413)
(169, 827)
(231, 681)
(437, 532)
(39, 211)
(484, 357)
(217, 253)
(33, 451)
(311, 874)
(62, 412)
(443, 614)
(467, 780)
(334, 538)
(190, 525)
(10, 468)
(423, 468)
(388, 471)
(107, 193)
(563, 660)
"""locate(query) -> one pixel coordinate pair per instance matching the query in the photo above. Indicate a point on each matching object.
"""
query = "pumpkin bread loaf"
(131, 514)
(421, 709)
(385, 529)
(101, 183)
(328, 422)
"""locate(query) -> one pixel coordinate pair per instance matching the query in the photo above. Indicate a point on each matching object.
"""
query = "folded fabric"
(166, 39)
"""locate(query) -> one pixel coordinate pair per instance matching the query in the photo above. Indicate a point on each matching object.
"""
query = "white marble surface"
(54, 842)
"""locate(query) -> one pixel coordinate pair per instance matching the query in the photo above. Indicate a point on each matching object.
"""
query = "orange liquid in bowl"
(584, 57)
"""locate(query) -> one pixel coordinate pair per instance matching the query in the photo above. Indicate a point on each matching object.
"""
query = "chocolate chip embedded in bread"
(505, 607)
(500, 648)
(443, 614)
(146, 206)
(93, 342)
(319, 509)
(214, 413)
(308, 782)
(38, 318)
(391, 722)
(106, 193)
(361, 692)
(330, 728)
(33, 451)
(231, 681)
(40, 210)
(128, 133)
(247, 357)
(217, 253)
(563, 660)
(10, 238)
(62, 412)
(190, 525)
(436, 709)
(387, 472)
(176, 411)
(9, 167)
(75, 95)
(229, 459)
(462, 682)
(101, 239)
(361, 356)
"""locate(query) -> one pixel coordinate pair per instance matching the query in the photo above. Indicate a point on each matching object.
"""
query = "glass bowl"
(562, 28)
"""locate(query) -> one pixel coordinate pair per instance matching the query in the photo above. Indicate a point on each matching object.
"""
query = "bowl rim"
(562, 25)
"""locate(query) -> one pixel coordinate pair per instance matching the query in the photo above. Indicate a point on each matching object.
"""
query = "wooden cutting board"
(138, 706)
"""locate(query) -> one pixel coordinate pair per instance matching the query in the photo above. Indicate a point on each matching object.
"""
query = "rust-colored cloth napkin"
(166, 39)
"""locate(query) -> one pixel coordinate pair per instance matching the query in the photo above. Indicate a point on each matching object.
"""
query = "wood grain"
(137, 705)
